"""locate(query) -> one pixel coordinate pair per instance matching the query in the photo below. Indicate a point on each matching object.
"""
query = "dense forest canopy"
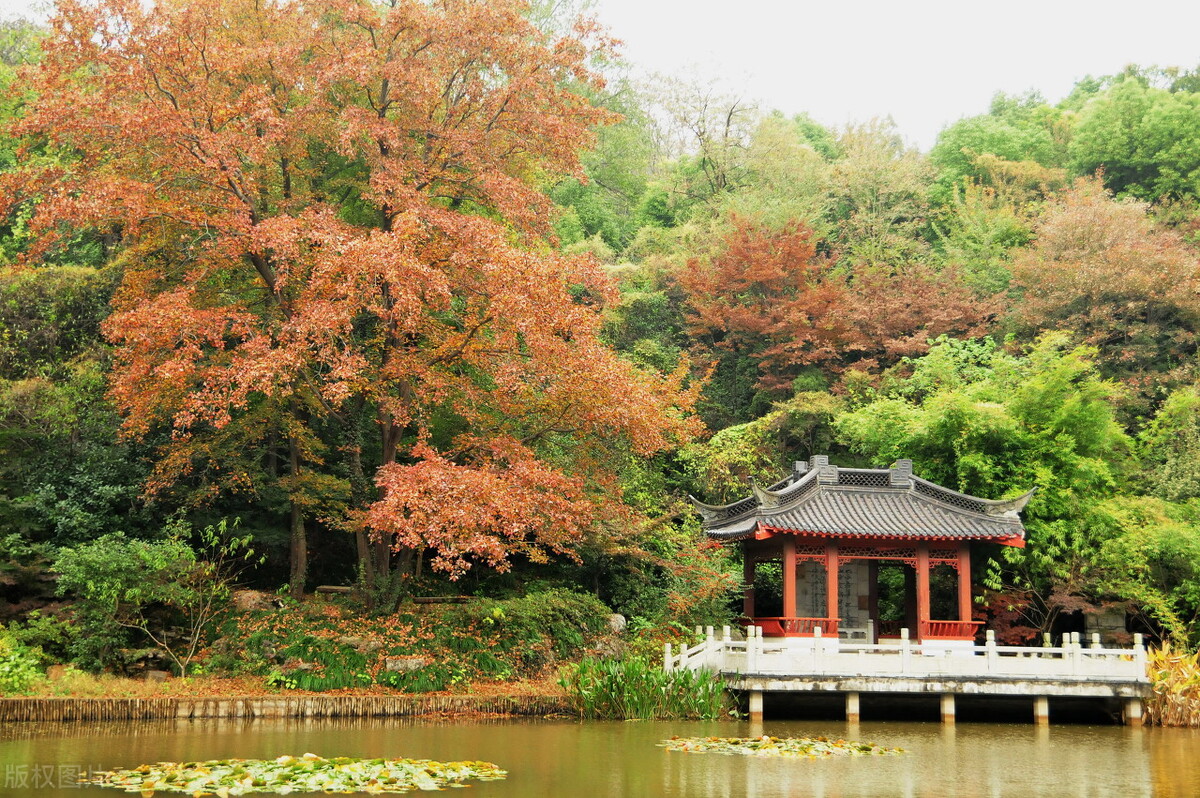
(428, 291)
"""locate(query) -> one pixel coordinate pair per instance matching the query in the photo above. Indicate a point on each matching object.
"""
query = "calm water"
(606, 760)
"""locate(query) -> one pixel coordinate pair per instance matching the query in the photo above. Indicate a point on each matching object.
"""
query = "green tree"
(1170, 447)
(617, 170)
(1145, 141)
(1149, 559)
(879, 196)
(1015, 129)
(995, 425)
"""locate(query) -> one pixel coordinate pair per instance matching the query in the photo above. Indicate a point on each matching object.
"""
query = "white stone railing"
(827, 656)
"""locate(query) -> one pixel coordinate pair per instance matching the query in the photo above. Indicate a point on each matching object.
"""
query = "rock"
(405, 664)
(617, 623)
(252, 600)
(156, 676)
(353, 642)
(298, 665)
(610, 647)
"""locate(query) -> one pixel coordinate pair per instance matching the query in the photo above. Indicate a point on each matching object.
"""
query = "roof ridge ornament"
(1010, 508)
(708, 512)
(766, 498)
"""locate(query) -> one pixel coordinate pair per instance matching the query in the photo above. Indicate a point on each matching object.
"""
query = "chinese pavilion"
(834, 528)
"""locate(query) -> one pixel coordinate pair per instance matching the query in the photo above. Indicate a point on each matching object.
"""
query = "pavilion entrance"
(880, 589)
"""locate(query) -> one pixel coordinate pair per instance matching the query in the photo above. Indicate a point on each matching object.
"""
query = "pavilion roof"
(823, 500)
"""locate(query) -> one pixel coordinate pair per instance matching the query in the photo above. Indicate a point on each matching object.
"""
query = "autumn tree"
(1100, 268)
(766, 295)
(330, 217)
(898, 312)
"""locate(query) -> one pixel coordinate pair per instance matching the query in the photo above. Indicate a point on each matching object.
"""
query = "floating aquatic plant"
(811, 747)
(289, 774)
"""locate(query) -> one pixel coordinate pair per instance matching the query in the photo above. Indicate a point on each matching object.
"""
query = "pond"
(613, 759)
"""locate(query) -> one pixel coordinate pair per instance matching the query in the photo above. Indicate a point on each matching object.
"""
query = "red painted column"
(964, 580)
(873, 597)
(922, 587)
(789, 576)
(748, 568)
(831, 581)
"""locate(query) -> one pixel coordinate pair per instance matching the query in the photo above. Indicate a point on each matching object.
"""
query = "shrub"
(19, 669)
(159, 589)
(324, 646)
(535, 630)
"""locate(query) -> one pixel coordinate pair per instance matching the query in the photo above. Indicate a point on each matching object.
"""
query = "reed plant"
(631, 688)
(1175, 682)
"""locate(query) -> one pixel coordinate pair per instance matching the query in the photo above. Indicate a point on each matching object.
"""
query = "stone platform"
(758, 665)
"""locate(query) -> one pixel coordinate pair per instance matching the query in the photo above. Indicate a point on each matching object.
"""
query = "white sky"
(924, 62)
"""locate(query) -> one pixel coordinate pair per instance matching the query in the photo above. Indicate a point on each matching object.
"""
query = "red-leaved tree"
(330, 220)
(768, 295)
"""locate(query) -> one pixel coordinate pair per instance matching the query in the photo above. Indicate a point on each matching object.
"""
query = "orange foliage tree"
(1102, 269)
(767, 294)
(771, 295)
(897, 313)
(330, 218)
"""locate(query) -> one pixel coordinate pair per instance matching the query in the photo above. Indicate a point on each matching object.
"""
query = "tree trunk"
(299, 538)
(299, 554)
(390, 432)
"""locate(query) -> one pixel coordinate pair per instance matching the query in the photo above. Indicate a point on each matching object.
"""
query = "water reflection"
(614, 760)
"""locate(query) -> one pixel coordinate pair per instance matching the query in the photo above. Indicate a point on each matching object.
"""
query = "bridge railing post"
(905, 651)
(667, 657)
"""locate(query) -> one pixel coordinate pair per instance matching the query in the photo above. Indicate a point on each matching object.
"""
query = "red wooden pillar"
(789, 576)
(831, 580)
(748, 568)
(873, 596)
(922, 588)
(964, 580)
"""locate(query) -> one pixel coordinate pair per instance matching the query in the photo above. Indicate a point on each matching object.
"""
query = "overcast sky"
(924, 62)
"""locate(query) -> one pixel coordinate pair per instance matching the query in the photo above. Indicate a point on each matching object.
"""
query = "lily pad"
(807, 747)
(290, 774)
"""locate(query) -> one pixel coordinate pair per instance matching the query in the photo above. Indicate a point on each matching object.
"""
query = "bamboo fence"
(53, 710)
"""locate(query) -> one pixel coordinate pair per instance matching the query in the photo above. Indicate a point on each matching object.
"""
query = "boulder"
(252, 600)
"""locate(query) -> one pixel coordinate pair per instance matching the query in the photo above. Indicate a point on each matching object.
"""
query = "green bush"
(19, 669)
(160, 592)
(430, 679)
(537, 629)
(50, 633)
(632, 689)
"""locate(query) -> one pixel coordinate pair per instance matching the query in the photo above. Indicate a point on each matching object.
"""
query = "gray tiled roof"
(828, 501)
